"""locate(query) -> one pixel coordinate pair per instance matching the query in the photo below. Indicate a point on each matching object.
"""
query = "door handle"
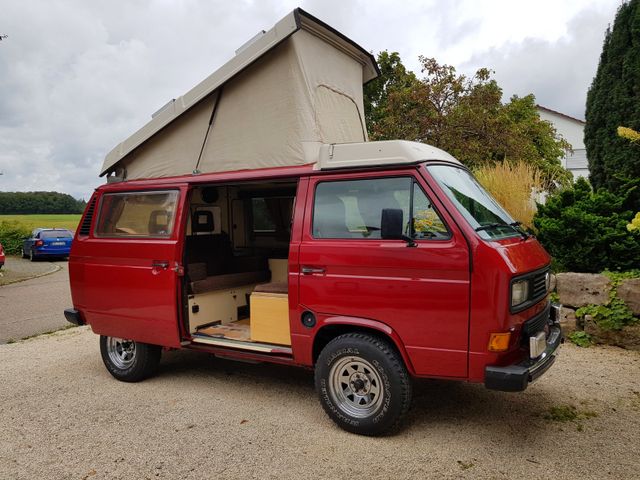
(311, 270)
(160, 264)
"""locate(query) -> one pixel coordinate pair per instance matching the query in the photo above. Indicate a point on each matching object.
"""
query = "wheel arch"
(333, 327)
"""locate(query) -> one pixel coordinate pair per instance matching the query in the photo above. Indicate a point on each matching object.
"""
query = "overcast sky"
(77, 77)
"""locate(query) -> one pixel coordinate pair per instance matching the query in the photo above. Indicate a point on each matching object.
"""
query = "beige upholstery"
(273, 287)
(229, 280)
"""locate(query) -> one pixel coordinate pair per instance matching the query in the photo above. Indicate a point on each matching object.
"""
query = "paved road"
(34, 306)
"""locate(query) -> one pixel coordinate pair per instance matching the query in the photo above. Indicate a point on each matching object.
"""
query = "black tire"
(139, 361)
(24, 255)
(32, 255)
(363, 384)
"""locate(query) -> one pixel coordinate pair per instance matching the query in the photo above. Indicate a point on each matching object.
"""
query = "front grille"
(538, 285)
(536, 324)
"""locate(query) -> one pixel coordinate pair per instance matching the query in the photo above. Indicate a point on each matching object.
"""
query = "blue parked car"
(47, 242)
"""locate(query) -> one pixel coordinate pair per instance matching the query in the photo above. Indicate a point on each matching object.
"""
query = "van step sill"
(253, 346)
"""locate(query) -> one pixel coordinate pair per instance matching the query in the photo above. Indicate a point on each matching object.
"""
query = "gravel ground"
(17, 269)
(64, 416)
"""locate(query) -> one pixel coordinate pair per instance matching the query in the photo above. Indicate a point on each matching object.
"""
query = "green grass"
(44, 221)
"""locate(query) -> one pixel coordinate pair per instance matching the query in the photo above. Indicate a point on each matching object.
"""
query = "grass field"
(44, 221)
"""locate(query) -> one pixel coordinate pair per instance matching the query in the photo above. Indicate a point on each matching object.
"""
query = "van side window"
(427, 224)
(353, 209)
(139, 214)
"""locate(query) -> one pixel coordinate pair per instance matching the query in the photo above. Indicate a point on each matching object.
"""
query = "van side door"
(127, 269)
(420, 290)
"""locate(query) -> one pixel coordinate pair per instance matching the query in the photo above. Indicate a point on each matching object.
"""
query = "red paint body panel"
(119, 291)
(438, 303)
(421, 292)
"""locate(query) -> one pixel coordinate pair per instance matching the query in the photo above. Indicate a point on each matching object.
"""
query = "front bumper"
(515, 378)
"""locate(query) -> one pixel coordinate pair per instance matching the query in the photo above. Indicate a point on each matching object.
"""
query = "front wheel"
(128, 360)
(363, 384)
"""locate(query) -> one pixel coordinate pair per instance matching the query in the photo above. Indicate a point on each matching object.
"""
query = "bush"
(11, 236)
(586, 231)
(512, 184)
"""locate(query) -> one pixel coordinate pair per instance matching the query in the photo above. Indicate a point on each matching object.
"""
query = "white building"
(572, 130)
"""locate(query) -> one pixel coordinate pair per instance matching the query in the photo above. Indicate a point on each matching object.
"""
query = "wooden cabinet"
(270, 318)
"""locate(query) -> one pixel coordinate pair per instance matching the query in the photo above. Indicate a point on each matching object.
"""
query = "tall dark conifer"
(614, 100)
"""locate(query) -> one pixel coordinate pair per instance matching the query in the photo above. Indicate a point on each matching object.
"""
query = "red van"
(384, 262)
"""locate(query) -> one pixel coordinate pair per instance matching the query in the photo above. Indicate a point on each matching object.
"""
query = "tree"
(393, 77)
(464, 116)
(614, 99)
(39, 202)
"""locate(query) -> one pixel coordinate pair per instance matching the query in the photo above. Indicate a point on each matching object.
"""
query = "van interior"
(236, 253)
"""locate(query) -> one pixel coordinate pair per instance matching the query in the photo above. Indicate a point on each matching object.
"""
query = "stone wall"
(576, 290)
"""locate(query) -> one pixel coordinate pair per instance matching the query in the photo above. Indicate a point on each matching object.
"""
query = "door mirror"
(391, 224)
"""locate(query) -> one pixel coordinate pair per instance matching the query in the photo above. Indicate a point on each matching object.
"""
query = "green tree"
(39, 202)
(393, 77)
(464, 116)
(614, 99)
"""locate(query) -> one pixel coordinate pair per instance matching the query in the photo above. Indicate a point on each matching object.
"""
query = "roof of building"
(561, 114)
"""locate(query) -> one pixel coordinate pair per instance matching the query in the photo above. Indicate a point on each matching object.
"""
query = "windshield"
(482, 212)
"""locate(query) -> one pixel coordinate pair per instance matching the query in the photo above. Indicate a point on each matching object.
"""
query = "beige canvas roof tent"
(284, 94)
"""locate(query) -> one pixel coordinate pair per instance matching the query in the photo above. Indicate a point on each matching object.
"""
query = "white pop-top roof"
(286, 92)
(370, 154)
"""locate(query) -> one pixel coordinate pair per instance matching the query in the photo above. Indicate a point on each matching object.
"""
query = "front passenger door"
(421, 291)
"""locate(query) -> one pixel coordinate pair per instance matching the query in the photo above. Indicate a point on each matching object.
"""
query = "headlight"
(519, 292)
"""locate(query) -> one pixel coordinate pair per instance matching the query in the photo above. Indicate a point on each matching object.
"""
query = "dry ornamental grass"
(515, 186)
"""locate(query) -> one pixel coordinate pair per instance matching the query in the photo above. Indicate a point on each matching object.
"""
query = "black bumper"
(73, 316)
(515, 378)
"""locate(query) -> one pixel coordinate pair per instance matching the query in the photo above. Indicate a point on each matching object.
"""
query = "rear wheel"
(24, 254)
(363, 384)
(32, 255)
(128, 360)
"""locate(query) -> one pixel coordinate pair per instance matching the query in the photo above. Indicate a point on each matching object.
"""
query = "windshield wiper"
(515, 226)
(518, 227)
(490, 226)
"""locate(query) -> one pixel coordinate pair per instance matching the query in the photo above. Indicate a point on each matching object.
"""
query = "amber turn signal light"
(499, 342)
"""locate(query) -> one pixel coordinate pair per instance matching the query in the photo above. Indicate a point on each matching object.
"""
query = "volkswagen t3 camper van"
(388, 262)
(251, 219)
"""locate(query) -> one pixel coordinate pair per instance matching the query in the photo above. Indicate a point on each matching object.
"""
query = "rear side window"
(353, 209)
(56, 234)
(139, 214)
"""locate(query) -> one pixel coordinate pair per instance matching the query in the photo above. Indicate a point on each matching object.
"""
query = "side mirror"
(391, 224)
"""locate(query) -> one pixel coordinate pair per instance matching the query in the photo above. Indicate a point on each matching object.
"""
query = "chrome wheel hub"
(356, 386)
(122, 353)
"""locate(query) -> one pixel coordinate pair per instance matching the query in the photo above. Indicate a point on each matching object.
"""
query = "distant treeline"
(26, 203)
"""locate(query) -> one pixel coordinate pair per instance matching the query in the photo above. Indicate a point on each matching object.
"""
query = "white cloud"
(77, 77)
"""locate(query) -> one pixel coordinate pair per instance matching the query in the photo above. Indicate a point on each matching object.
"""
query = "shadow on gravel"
(512, 417)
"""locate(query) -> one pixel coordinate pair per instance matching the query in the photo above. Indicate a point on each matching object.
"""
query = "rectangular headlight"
(519, 292)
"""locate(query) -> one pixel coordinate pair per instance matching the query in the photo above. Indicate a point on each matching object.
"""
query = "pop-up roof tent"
(286, 92)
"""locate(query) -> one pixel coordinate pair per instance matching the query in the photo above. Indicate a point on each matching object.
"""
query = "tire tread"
(398, 371)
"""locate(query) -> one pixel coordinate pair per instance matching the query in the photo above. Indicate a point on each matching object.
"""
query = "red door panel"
(422, 293)
(129, 287)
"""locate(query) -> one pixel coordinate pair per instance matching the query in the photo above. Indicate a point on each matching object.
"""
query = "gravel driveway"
(63, 416)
